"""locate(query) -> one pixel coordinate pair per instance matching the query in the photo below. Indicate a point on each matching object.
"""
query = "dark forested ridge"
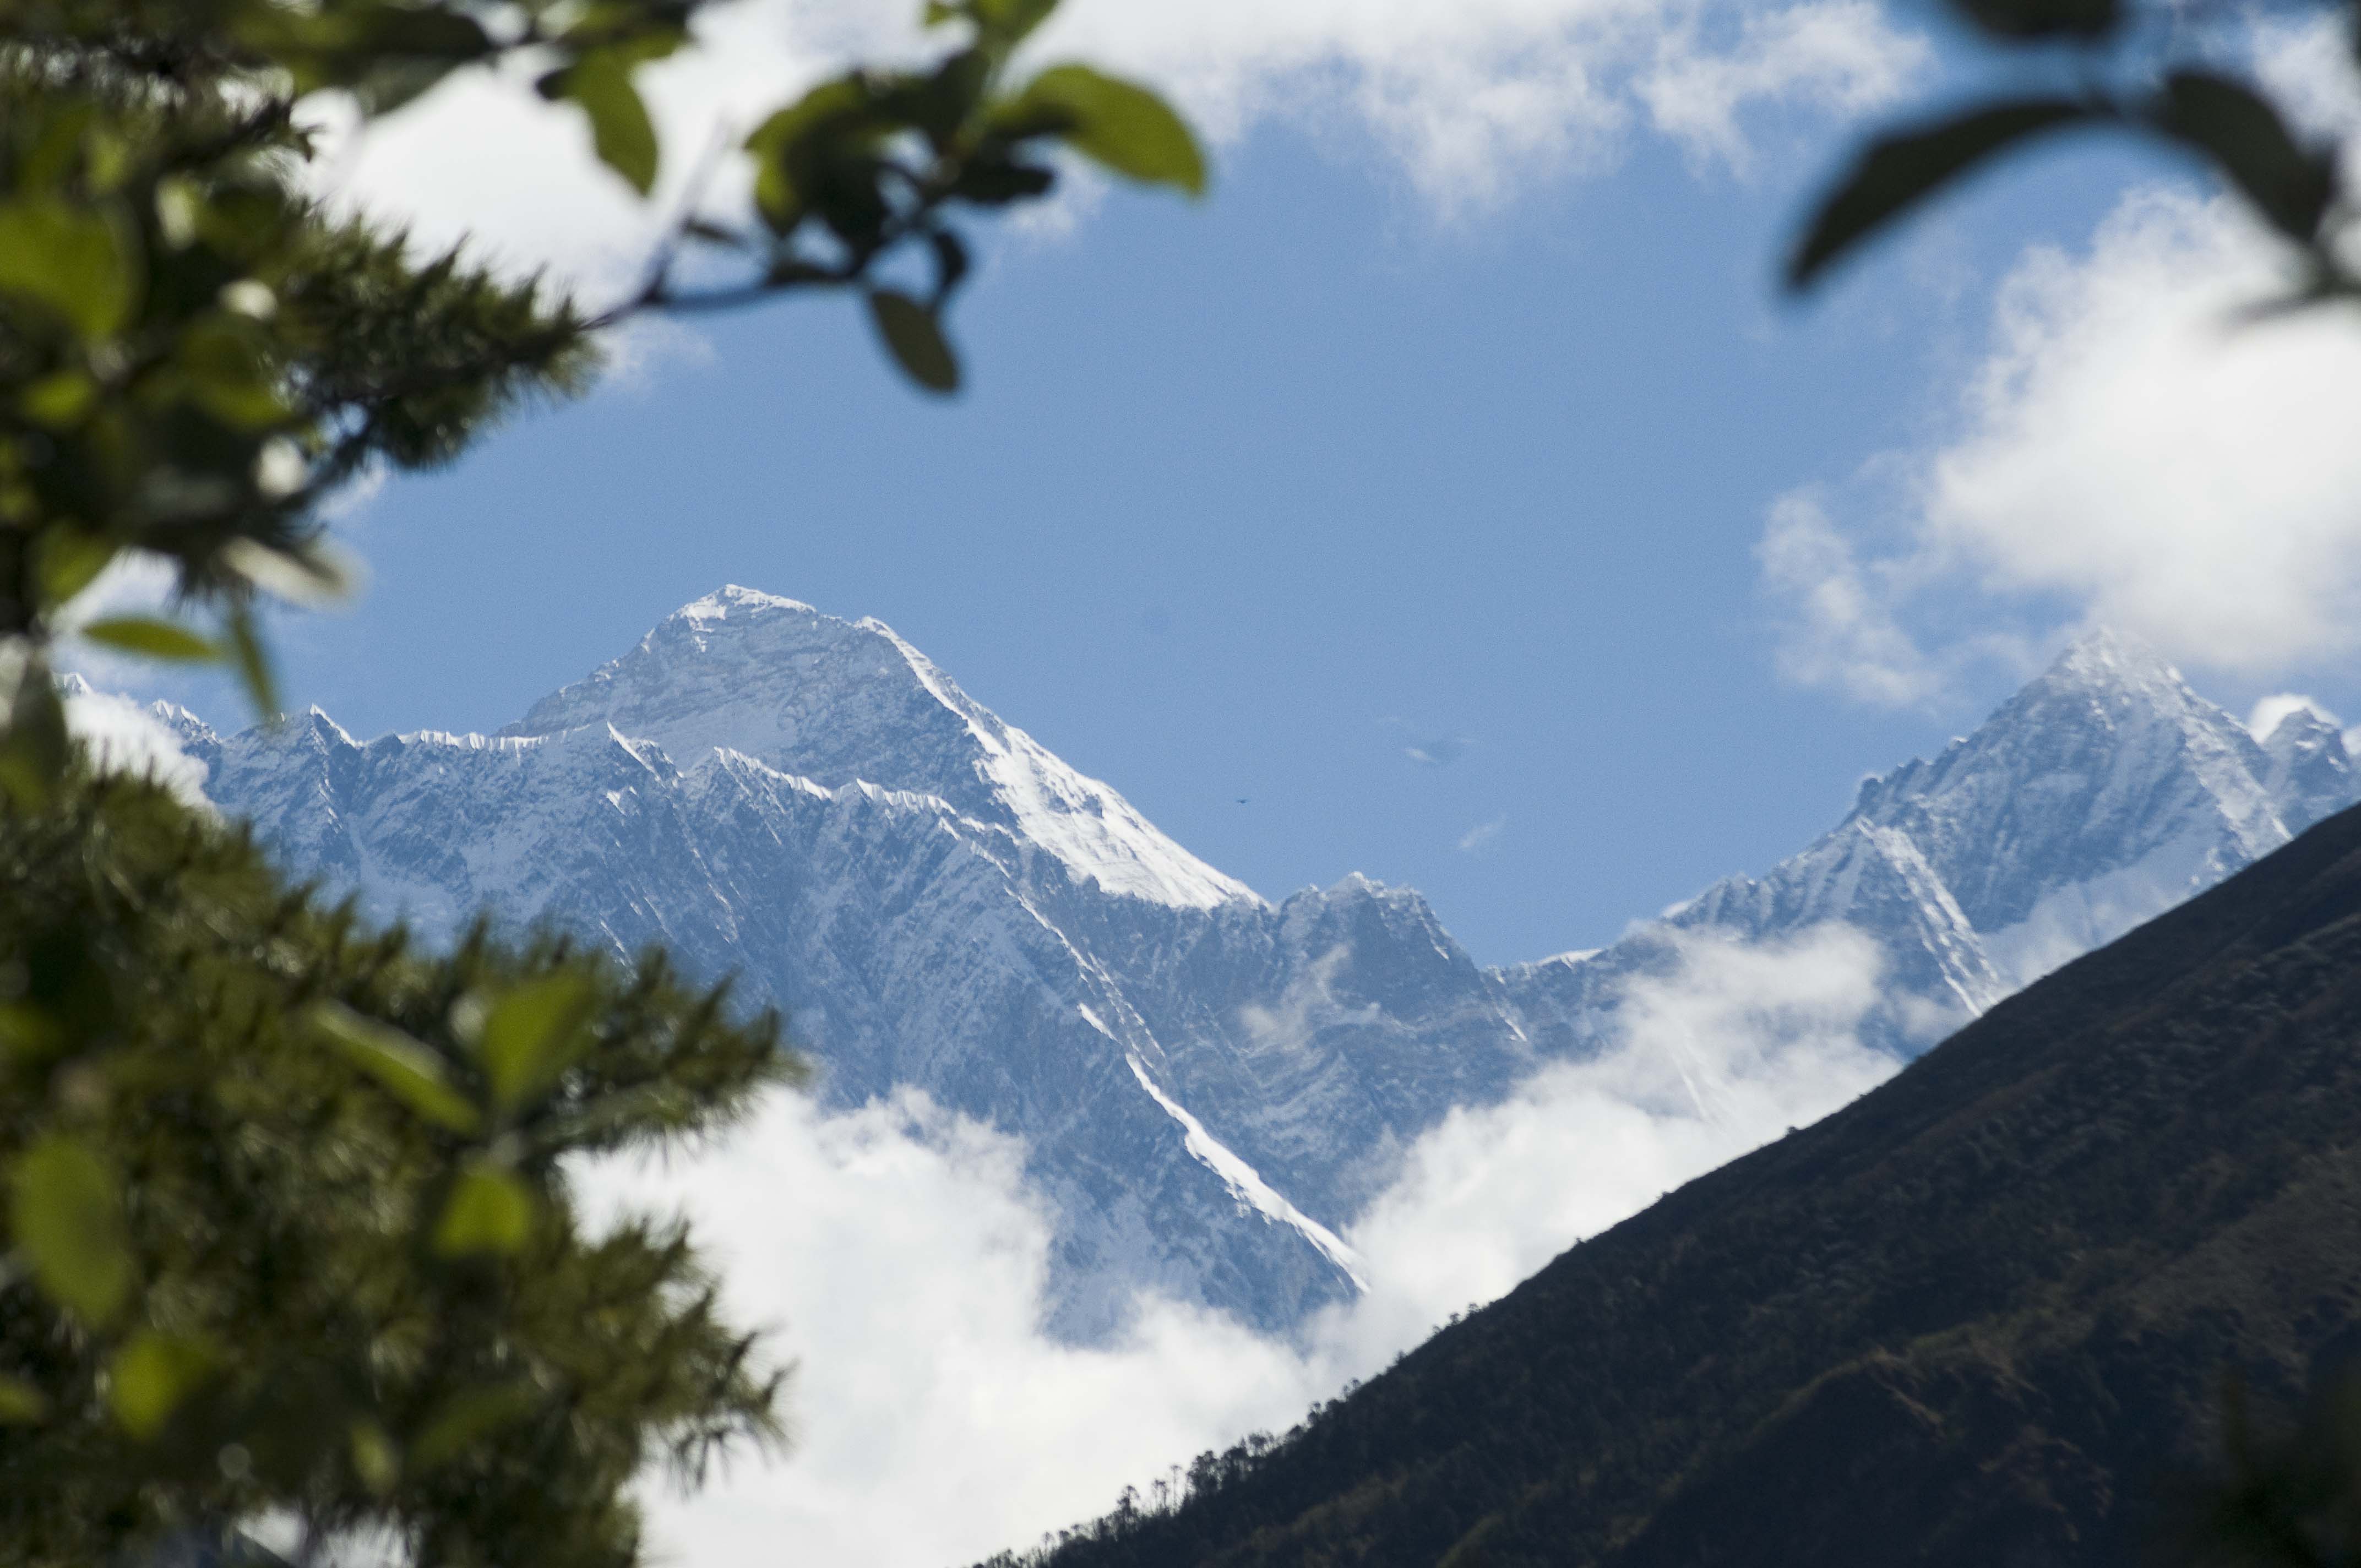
(1979, 1318)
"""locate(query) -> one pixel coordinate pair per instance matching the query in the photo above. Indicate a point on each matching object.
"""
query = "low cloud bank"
(902, 1259)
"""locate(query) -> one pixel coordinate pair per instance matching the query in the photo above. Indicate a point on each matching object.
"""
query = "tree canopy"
(195, 355)
(288, 1218)
(287, 1228)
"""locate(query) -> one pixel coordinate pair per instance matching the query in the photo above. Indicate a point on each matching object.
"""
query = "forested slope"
(1977, 1317)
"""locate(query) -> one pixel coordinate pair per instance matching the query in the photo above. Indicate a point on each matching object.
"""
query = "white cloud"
(2272, 711)
(1841, 628)
(1471, 100)
(1307, 1006)
(2307, 66)
(1482, 835)
(1727, 1050)
(903, 1260)
(2129, 452)
(1835, 55)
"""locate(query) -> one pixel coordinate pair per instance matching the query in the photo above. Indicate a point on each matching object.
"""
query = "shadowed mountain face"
(1212, 1087)
(1978, 1317)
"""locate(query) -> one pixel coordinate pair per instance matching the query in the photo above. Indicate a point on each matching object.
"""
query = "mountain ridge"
(1978, 1315)
(908, 720)
(937, 901)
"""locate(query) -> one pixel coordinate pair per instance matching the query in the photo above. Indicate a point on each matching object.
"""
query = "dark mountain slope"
(1972, 1320)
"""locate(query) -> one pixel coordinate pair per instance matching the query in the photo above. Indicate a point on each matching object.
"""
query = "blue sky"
(1247, 499)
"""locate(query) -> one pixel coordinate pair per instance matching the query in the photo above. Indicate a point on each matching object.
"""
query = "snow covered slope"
(2099, 797)
(815, 697)
(1211, 1087)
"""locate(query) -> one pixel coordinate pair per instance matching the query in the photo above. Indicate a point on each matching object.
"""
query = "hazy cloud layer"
(901, 1256)
(2133, 450)
(1469, 100)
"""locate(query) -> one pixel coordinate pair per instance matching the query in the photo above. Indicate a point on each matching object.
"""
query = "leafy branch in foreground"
(284, 1223)
(194, 356)
(2154, 72)
(2283, 1498)
(287, 1219)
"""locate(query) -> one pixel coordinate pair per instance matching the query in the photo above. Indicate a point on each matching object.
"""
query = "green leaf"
(1897, 172)
(489, 1211)
(467, 1418)
(153, 638)
(1124, 127)
(311, 575)
(253, 661)
(942, 101)
(66, 561)
(950, 263)
(407, 1069)
(1008, 21)
(35, 747)
(775, 139)
(2085, 19)
(389, 53)
(621, 131)
(424, 32)
(21, 1404)
(57, 151)
(76, 261)
(533, 1032)
(2247, 141)
(59, 401)
(221, 356)
(914, 338)
(375, 1459)
(998, 181)
(150, 1376)
(66, 1214)
(28, 1031)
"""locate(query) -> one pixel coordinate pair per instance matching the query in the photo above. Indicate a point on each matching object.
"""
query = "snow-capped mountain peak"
(2103, 657)
(837, 702)
(1211, 1088)
(2107, 765)
(2311, 770)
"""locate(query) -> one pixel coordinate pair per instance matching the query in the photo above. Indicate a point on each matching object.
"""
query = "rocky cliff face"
(1210, 1086)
